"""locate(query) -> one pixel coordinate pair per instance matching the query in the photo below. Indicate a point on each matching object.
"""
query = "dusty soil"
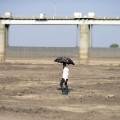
(31, 92)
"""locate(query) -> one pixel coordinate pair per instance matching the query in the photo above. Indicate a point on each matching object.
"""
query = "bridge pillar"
(2, 42)
(84, 43)
(6, 35)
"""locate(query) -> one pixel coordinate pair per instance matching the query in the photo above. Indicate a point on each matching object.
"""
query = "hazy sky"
(60, 35)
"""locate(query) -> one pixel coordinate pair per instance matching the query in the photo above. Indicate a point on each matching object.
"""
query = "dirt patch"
(30, 92)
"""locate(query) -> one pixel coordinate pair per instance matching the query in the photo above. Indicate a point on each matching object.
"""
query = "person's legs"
(66, 87)
(61, 84)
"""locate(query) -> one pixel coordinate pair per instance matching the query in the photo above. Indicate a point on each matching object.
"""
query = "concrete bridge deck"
(61, 20)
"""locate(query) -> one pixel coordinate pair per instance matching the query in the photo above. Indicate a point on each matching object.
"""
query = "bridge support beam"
(84, 43)
(2, 42)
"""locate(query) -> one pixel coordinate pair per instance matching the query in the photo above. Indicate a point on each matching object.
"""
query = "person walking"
(64, 79)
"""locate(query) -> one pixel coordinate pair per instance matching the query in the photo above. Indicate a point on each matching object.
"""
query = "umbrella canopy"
(64, 60)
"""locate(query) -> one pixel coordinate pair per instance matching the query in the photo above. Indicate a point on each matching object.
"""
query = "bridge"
(84, 23)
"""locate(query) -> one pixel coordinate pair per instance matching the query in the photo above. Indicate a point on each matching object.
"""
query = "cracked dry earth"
(31, 92)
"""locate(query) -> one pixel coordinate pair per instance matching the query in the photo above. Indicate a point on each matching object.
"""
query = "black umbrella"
(65, 60)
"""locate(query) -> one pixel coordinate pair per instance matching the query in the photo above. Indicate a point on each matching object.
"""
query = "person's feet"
(65, 91)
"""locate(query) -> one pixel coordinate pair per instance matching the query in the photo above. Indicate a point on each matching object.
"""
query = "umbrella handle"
(64, 64)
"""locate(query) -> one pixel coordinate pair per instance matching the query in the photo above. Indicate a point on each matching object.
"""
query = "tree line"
(114, 45)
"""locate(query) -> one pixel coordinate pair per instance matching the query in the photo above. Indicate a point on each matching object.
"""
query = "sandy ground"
(31, 92)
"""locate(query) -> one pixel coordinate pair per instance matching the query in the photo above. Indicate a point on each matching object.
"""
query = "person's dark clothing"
(64, 82)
